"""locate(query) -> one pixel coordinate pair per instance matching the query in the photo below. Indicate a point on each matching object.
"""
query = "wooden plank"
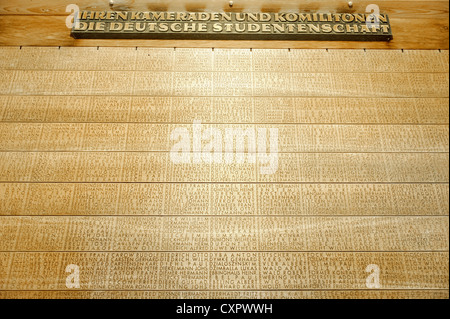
(115, 109)
(229, 60)
(140, 83)
(417, 33)
(220, 234)
(312, 294)
(42, 199)
(156, 137)
(174, 271)
(405, 9)
(157, 167)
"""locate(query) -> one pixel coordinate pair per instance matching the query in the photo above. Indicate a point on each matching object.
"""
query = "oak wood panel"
(304, 294)
(41, 199)
(287, 110)
(417, 33)
(337, 200)
(158, 167)
(156, 137)
(142, 83)
(405, 9)
(225, 60)
(220, 234)
(169, 271)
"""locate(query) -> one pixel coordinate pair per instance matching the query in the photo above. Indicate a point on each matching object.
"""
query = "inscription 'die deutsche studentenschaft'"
(231, 26)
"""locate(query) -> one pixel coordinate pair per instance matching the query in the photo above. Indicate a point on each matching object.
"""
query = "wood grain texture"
(224, 60)
(142, 83)
(252, 271)
(409, 33)
(406, 9)
(217, 294)
(156, 137)
(86, 176)
(81, 199)
(272, 110)
(144, 167)
(223, 234)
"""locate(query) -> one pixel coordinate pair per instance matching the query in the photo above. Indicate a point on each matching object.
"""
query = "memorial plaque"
(87, 178)
(232, 26)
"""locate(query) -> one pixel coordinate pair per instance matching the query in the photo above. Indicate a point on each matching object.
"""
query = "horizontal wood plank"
(404, 9)
(42, 199)
(416, 33)
(225, 233)
(158, 167)
(116, 109)
(311, 294)
(225, 60)
(140, 83)
(204, 271)
(156, 137)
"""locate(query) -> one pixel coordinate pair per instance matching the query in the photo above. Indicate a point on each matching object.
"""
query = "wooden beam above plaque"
(231, 26)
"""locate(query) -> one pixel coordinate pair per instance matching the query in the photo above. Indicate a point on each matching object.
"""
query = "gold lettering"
(228, 27)
(128, 26)
(81, 26)
(191, 16)
(140, 26)
(314, 27)
(217, 27)
(265, 17)
(190, 27)
(170, 16)
(158, 16)
(116, 26)
(280, 17)
(202, 27)
(110, 15)
(253, 27)
(347, 17)
(338, 28)
(163, 27)
(305, 17)
(360, 18)
(383, 18)
(253, 16)
(291, 28)
(291, 17)
(100, 26)
(240, 16)
(352, 28)
(136, 16)
(301, 28)
(181, 16)
(215, 16)
(327, 28)
(265, 27)
(365, 28)
(227, 16)
(123, 15)
(175, 27)
(204, 16)
(240, 27)
(278, 28)
(323, 18)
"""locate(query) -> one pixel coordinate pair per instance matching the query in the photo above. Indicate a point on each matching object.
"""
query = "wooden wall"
(86, 177)
(416, 24)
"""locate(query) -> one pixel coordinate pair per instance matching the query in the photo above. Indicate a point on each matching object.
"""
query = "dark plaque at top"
(231, 26)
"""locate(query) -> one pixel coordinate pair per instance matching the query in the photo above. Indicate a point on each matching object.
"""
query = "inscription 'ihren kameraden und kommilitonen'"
(231, 26)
